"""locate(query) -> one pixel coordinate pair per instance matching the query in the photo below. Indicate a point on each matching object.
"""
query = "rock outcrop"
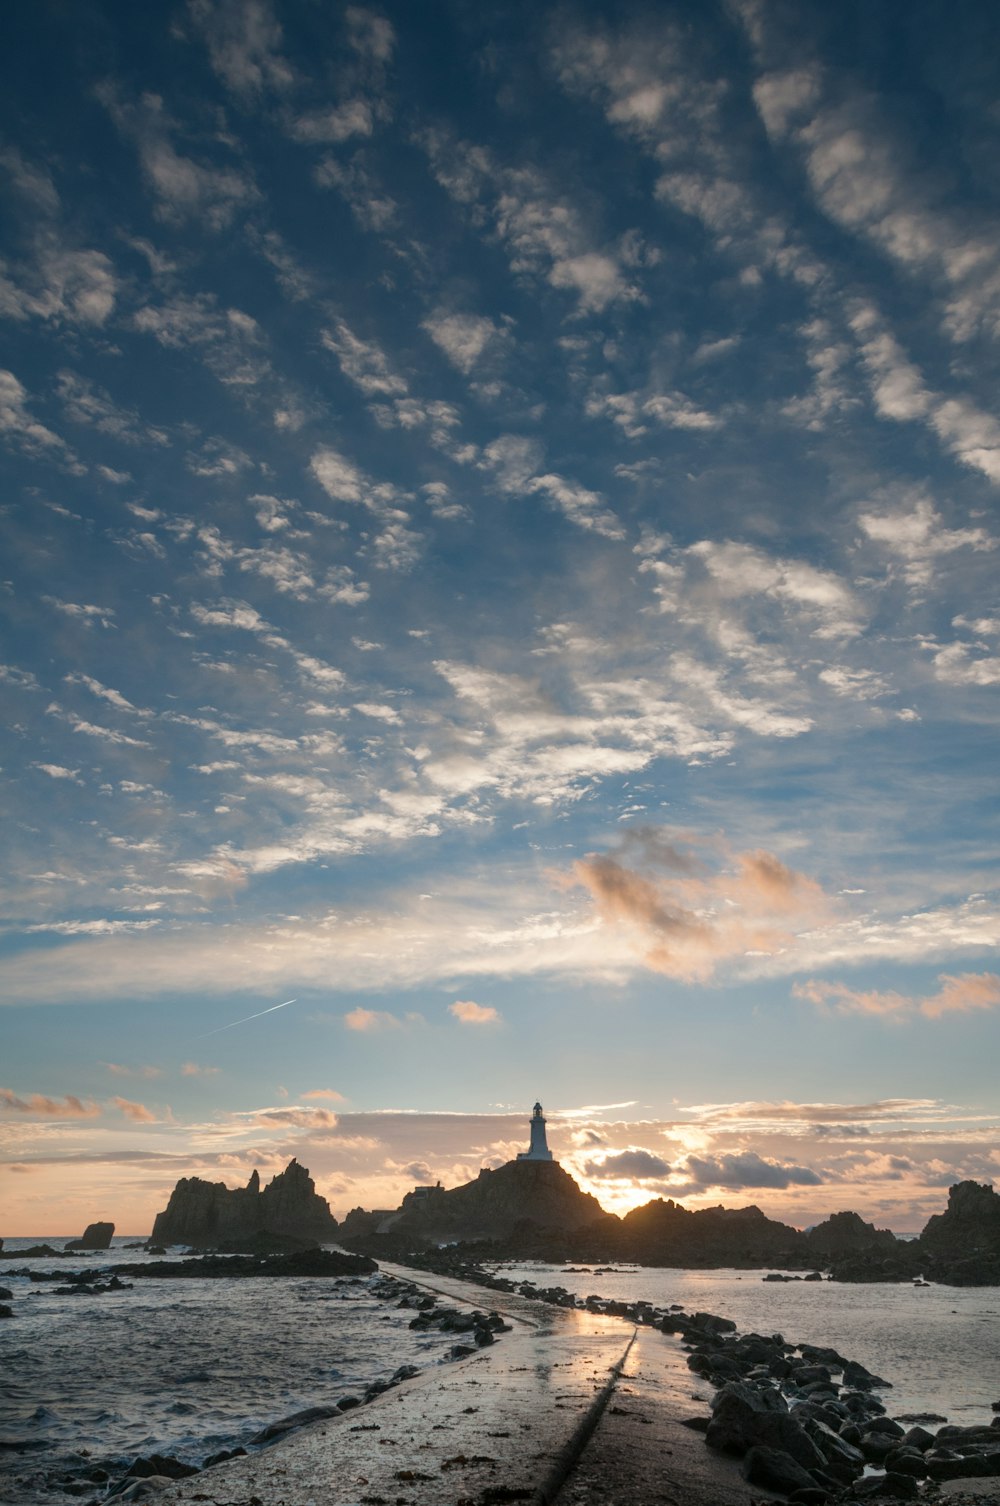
(516, 1202)
(664, 1233)
(847, 1234)
(95, 1237)
(208, 1215)
(961, 1246)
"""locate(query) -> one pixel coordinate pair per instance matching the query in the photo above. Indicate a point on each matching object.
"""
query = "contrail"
(257, 1016)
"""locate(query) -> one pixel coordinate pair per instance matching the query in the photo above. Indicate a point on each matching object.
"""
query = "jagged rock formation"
(519, 1199)
(207, 1215)
(969, 1225)
(94, 1237)
(962, 1244)
(847, 1234)
(664, 1233)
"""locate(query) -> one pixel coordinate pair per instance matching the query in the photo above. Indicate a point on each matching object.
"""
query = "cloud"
(117, 1069)
(689, 926)
(469, 1013)
(627, 1165)
(19, 427)
(355, 117)
(244, 44)
(183, 188)
(963, 993)
(41, 1107)
(513, 461)
(916, 534)
(899, 392)
(370, 1020)
(363, 363)
(330, 1093)
(463, 337)
(746, 1169)
(59, 771)
(545, 235)
(192, 1069)
(86, 403)
(307, 1119)
(137, 1112)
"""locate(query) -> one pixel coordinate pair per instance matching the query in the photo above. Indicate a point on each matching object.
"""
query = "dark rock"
(886, 1425)
(848, 1234)
(332, 1263)
(205, 1214)
(5, 1311)
(743, 1417)
(95, 1237)
(907, 1462)
(775, 1470)
(944, 1466)
(918, 1438)
(5, 1294)
(223, 1456)
(159, 1464)
(294, 1421)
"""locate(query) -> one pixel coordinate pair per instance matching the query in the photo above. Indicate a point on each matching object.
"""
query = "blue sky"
(500, 544)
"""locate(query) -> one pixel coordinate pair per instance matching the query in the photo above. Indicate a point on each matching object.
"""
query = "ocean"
(939, 1346)
(188, 1367)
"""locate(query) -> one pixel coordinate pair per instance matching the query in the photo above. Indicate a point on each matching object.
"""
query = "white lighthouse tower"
(538, 1150)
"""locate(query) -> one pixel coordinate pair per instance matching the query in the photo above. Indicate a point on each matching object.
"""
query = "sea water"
(938, 1346)
(179, 1366)
(190, 1366)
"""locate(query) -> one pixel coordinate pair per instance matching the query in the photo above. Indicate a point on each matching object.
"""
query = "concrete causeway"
(569, 1406)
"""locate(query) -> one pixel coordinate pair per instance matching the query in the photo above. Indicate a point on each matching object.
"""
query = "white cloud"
(86, 403)
(364, 364)
(17, 423)
(183, 188)
(355, 117)
(463, 337)
(915, 533)
(244, 44)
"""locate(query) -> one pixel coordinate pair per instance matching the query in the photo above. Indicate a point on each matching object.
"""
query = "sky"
(499, 586)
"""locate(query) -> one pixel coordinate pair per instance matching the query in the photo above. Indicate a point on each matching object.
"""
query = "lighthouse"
(538, 1150)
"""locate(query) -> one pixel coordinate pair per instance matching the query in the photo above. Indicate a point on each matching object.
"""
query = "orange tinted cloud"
(69, 1107)
(371, 1019)
(959, 994)
(330, 1093)
(469, 1013)
(687, 922)
(137, 1112)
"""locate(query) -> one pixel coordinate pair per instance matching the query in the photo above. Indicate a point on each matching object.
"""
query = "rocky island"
(287, 1214)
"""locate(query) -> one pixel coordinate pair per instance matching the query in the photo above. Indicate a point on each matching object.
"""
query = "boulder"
(743, 1417)
(775, 1470)
(94, 1237)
